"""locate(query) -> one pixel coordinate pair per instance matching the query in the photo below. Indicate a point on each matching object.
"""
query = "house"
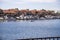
(49, 16)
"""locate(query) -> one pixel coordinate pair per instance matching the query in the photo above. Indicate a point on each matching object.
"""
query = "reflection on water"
(29, 29)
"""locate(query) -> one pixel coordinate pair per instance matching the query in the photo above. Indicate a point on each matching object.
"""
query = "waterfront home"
(21, 16)
(26, 17)
(49, 16)
(31, 17)
(42, 18)
(5, 17)
(17, 17)
(36, 17)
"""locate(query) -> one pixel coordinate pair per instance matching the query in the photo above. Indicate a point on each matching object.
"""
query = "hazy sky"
(30, 4)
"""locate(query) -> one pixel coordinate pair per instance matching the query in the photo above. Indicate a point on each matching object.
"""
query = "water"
(29, 29)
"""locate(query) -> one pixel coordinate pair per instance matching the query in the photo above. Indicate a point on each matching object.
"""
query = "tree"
(1, 11)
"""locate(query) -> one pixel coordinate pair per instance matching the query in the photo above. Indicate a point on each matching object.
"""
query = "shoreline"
(25, 19)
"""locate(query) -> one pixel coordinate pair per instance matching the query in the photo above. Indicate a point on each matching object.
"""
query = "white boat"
(1, 18)
(5, 17)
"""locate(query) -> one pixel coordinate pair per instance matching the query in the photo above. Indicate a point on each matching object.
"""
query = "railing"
(44, 38)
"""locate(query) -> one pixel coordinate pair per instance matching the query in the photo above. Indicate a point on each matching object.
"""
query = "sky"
(30, 4)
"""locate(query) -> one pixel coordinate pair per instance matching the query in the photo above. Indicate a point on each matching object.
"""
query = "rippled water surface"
(29, 29)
